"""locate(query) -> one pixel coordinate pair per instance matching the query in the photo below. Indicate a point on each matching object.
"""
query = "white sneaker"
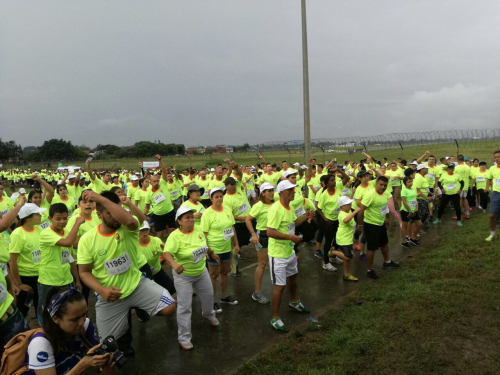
(186, 345)
(337, 260)
(329, 267)
(213, 321)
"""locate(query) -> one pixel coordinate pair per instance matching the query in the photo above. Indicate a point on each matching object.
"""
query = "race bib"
(300, 211)
(205, 193)
(450, 187)
(45, 225)
(174, 193)
(384, 210)
(317, 187)
(65, 256)
(228, 233)
(291, 228)
(431, 176)
(5, 269)
(243, 208)
(412, 204)
(497, 181)
(394, 181)
(118, 265)
(3, 293)
(336, 211)
(36, 256)
(346, 192)
(199, 254)
(480, 179)
(159, 198)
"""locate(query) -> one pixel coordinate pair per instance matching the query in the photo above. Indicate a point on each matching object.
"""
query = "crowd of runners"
(113, 233)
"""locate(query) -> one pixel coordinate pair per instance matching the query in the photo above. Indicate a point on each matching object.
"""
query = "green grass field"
(483, 150)
(438, 314)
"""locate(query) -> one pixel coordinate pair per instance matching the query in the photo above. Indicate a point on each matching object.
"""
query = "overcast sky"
(230, 71)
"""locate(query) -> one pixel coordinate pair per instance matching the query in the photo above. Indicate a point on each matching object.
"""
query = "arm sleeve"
(171, 246)
(41, 355)
(15, 243)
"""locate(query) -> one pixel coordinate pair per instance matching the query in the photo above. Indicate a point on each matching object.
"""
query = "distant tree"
(59, 149)
(10, 150)
(245, 147)
(29, 149)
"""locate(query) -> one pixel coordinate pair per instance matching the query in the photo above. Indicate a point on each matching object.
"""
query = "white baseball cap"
(343, 200)
(215, 189)
(303, 167)
(413, 163)
(421, 166)
(181, 211)
(212, 169)
(134, 178)
(296, 163)
(71, 176)
(288, 173)
(22, 191)
(285, 185)
(145, 225)
(266, 186)
(29, 209)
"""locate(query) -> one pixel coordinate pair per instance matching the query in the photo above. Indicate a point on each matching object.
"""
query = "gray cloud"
(211, 72)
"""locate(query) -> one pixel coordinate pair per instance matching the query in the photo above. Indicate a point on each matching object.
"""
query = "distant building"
(229, 150)
(201, 150)
(191, 150)
(220, 149)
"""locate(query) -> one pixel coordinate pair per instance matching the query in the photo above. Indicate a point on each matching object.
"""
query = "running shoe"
(414, 242)
(236, 274)
(350, 278)
(362, 256)
(455, 218)
(319, 254)
(467, 217)
(459, 223)
(298, 306)
(279, 325)
(186, 345)
(407, 238)
(217, 308)
(491, 237)
(329, 267)
(337, 260)
(372, 275)
(260, 298)
(229, 300)
(391, 264)
(437, 221)
(214, 322)
(357, 246)
(405, 245)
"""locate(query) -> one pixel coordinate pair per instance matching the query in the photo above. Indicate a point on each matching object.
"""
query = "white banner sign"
(150, 164)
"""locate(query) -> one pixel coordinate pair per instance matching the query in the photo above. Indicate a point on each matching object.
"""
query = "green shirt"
(205, 184)
(27, 245)
(494, 176)
(260, 211)
(283, 220)
(219, 226)
(160, 200)
(464, 171)
(189, 250)
(114, 257)
(393, 176)
(411, 199)
(174, 188)
(237, 203)
(55, 267)
(345, 231)
(93, 222)
(328, 203)
(197, 208)
(377, 207)
(141, 196)
(421, 183)
(451, 184)
(69, 203)
(480, 178)
(152, 251)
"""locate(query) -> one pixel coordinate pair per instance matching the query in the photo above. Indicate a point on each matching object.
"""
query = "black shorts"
(405, 216)
(376, 236)
(162, 221)
(224, 258)
(346, 250)
(263, 239)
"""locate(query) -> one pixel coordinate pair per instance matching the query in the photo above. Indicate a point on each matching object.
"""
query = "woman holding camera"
(62, 345)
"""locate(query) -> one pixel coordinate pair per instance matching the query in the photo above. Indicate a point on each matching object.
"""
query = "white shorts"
(251, 194)
(439, 192)
(281, 268)
(463, 194)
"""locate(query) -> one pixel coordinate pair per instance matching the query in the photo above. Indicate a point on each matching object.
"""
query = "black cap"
(230, 181)
(36, 185)
(363, 173)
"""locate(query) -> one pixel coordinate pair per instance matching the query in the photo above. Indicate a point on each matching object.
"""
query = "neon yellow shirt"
(494, 176)
(345, 232)
(27, 245)
(377, 207)
(260, 211)
(189, 250)
(283, 220)
(55, 267)
(219, 226)
(152, 251)
(237, 203)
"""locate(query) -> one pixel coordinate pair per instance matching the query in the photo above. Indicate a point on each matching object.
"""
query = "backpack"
(14, 357)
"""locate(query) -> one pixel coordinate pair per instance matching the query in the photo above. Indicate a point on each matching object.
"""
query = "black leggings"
(32, 281)
(321, 228)
(484, 198)
(330, 234)
(455, 200)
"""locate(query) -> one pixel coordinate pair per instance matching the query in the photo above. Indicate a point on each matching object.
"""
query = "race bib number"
(243, 208)
(412, 204)
(480, 179)
(118, 265)
(174, 193)
(394, 181)
(205, 193)
(65, 256)
(5, 269)
(450, 187)
(291, 228)
(384, 210)
(497, 181)
(431, 176)
(228, 233)
(45, 225)
(199, 254)
(36, 256)
(3, 293)
(159, 198)
(346, 192)
(300, 211)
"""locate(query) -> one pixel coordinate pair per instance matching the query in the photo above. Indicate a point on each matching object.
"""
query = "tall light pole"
(307, 124)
